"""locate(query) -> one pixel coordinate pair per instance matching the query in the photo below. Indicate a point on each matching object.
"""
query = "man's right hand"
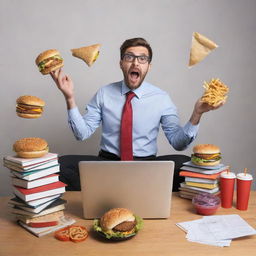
(66, 86)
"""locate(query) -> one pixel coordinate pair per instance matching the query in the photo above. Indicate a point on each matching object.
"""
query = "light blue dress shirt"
(152, 107)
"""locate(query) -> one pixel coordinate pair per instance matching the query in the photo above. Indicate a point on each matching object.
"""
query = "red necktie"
(126, 129)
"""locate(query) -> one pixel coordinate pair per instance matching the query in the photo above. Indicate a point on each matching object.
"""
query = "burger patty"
(125, 226)
(207, 156)
(52, 62)
(29, 111)
(25, 106)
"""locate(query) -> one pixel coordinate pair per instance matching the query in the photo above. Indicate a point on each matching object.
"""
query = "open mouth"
(134, 76)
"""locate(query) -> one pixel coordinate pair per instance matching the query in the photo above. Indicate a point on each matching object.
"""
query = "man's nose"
(135, 61)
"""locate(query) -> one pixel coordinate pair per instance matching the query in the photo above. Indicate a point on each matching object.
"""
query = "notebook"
(144, 187)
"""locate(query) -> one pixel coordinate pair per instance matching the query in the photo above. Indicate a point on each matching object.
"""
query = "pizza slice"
(201, 46)
(88, 54)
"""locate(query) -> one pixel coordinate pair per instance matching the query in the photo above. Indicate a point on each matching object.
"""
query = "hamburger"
(29, 106)
(31, 147)
(49, 61)
(206, 155)
(88, 54)
(118, 223)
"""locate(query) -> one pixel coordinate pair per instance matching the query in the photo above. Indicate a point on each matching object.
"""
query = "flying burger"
(206, 155)
(31, 147)
(49, 61)
(118, 223)
(29, 106)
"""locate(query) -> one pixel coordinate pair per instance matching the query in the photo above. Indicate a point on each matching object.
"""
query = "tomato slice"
(62, 234)
(77, 233)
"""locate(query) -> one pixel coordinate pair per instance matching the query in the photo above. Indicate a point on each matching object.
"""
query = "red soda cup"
(227, 183)
(244, 181)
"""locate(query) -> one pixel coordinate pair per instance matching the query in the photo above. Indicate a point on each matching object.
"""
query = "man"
(147, 108)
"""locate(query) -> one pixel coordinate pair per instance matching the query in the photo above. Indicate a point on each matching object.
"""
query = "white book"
(35, 183)
(30, 161)
(37, 167)
(51, 209)
(33, 203)
(64, 222)
(36, 174)
(39, 192)
(37, 209)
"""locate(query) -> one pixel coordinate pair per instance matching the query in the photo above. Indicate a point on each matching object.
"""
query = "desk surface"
(158, 237)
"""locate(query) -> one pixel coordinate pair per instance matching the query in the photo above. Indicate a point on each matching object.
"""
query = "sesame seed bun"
(46, 54)
(31, 147)
(30, 100)
(114, 217)
(206, 149)
(28, 116)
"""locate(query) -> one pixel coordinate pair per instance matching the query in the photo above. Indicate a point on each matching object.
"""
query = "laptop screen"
(144, 187)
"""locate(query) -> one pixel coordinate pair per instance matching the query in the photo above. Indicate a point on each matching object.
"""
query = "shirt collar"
(138, 92)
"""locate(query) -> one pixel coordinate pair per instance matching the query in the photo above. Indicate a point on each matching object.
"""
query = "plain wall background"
(30, 27)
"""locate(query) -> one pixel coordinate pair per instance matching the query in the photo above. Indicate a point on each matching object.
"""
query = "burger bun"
(114, 217)
(206, 149)
(31, 147)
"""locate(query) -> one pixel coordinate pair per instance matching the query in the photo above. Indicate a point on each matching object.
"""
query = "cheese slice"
(201, 46)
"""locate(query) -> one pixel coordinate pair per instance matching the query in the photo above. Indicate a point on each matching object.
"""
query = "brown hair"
(135, 42)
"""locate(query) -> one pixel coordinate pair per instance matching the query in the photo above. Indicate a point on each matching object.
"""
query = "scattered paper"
(218, 230)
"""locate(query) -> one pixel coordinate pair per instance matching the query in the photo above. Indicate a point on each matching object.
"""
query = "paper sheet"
(218, 230)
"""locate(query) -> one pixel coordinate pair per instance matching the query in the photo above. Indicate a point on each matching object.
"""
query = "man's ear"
(149, 66)
(120, 63)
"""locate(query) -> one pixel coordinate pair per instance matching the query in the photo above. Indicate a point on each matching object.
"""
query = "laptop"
(144, 187)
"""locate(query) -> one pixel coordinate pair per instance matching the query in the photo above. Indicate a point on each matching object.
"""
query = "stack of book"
(200, 179)
(37, 204)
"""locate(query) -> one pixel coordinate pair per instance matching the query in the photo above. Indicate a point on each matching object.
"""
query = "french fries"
(215, 92)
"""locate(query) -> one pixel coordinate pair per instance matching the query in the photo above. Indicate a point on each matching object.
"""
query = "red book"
(39, 192)
(35, 183)
(200, 175)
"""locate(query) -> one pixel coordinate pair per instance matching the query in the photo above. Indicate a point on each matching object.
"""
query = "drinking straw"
(245, 171)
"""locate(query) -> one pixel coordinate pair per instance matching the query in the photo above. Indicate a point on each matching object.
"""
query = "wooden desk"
(158, 237)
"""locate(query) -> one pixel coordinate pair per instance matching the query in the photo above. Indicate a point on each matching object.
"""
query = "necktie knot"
(129, 96)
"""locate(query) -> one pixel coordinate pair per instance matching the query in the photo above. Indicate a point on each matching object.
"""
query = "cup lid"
(228, 175)
(244, 176)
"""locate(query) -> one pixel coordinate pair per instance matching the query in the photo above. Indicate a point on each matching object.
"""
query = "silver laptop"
(144, 187)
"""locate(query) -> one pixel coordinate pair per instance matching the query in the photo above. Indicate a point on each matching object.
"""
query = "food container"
(205, 203)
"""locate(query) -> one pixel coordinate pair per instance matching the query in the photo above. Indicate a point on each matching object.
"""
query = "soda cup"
(227, 183)
(244, 181)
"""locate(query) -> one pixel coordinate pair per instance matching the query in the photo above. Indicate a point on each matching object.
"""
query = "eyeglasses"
(142, 59)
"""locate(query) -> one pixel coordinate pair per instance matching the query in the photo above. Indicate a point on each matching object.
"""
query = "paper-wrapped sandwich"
(88, 54)
(201, 46)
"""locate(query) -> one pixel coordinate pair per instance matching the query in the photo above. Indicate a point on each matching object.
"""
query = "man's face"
(135, 69)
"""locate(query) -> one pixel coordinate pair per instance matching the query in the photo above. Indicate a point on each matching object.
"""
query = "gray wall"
(29, 27)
